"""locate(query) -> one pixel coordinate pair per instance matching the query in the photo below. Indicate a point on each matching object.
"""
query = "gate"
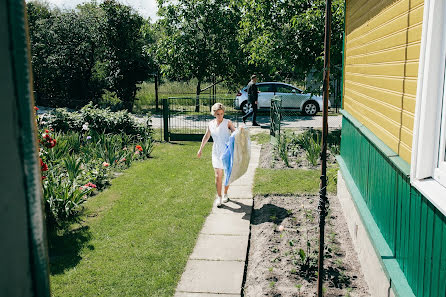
(276, 107)
(186, 118)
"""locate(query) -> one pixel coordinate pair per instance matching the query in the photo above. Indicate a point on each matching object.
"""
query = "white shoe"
(225, 198)
(217, 201)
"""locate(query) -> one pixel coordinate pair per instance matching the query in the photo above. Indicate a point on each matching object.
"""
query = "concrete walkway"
(216, 266)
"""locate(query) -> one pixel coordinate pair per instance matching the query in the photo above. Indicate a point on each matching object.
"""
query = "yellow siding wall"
(382, 48)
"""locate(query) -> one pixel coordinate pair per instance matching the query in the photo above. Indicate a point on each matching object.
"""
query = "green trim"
(386, 151)
(385, 255)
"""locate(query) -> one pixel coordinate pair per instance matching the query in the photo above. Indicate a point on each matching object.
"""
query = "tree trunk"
(197, 99)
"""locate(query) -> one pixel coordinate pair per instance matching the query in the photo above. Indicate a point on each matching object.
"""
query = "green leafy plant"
(62, 197)
(73, 167)
(282, 149)
(313, 150)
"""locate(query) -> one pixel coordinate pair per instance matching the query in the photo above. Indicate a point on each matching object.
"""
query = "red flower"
(43, 177)
(43, 166)
(47, 131)
(90, 185)
(139, 148)
(36, 108)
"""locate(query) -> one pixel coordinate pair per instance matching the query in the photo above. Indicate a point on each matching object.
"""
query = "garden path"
(217, 264)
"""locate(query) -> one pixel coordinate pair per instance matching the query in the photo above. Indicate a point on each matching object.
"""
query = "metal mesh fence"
(188, 117)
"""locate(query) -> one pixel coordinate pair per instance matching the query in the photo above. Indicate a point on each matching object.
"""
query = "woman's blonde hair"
(217, 106)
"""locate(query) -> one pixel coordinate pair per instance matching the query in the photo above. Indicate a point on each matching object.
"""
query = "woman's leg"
(218, 180)
(226, 189)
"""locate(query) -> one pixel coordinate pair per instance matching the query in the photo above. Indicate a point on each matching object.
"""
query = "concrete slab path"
(217, 264)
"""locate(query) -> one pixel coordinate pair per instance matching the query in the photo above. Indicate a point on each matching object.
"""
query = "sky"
(147, 8)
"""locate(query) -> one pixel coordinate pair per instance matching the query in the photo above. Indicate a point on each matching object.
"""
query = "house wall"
(408, 232)
(382, 47)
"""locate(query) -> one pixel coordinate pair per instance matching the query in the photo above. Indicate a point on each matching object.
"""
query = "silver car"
(292, 98)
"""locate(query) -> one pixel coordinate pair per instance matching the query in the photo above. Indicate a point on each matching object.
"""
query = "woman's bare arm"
(204, 141)
(231, 126)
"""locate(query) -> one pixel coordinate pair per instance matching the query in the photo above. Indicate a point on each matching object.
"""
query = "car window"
(266, 88)
(285, 89)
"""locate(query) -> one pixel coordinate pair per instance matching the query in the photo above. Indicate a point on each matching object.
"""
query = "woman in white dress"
(220, 130)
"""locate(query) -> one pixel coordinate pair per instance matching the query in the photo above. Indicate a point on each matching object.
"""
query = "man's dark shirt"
(252, 92)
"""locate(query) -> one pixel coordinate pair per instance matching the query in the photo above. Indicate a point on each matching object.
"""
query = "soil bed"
(276, 265)
(283, 262)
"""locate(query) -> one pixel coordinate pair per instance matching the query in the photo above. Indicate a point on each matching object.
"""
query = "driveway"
(200, 121)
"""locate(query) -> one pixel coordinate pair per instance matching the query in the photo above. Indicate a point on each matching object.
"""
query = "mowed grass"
(137, 235)
(145, 96)
(261, 138)
(291, 181)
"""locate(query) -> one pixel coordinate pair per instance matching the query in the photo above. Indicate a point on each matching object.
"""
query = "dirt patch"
(284, 263)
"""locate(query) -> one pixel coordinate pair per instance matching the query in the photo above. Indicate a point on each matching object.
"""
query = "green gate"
(187, 118)
(276, 107)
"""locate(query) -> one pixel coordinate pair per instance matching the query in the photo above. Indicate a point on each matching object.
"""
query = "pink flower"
(105, 164)
(90, 185)
(281, 228)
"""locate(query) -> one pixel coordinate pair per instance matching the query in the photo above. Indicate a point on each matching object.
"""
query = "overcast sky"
(146, 8)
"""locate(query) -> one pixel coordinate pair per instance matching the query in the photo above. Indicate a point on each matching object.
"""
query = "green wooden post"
(24, 269)
(166, 119)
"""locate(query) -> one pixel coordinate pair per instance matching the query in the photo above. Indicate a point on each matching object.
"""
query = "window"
(266, 88)
(440, 169)
(285, 89)
(428, 164)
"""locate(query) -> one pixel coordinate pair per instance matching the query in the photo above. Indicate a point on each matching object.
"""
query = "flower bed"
(284, 242)
(80, 152)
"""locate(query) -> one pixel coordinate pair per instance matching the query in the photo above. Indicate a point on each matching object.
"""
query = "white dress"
(220, 136)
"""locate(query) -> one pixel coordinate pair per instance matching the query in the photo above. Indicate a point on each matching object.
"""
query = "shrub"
(77, 161)
(99, 120)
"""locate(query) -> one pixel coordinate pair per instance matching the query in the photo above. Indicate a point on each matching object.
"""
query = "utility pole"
(323, 203)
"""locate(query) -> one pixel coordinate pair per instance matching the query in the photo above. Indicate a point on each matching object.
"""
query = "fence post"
(166, 119)
(156, 91)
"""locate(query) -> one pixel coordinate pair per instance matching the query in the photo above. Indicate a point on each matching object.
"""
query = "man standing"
(252, 98)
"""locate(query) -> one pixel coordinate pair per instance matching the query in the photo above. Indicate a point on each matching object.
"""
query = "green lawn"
(261, 138)
(291, 181)
(136, 236)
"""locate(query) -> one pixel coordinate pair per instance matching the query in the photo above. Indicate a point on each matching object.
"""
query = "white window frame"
(426, 172)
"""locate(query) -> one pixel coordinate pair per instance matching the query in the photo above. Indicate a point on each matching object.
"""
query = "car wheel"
(310, 108)
(246, 107)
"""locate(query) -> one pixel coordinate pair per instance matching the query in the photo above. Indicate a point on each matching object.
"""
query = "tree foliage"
(78, 54)
(198, 39)
(279, 39)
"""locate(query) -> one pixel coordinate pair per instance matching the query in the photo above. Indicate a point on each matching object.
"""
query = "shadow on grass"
(65, 247)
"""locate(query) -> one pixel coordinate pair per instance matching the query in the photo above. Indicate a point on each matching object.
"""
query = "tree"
(125, 60)
(63, 55)
(285, 38)
(198, 39)
(79, 54)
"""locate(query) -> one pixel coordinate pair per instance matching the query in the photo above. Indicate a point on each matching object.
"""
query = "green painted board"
(421, 260)
(436, 253)
(428, 251)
